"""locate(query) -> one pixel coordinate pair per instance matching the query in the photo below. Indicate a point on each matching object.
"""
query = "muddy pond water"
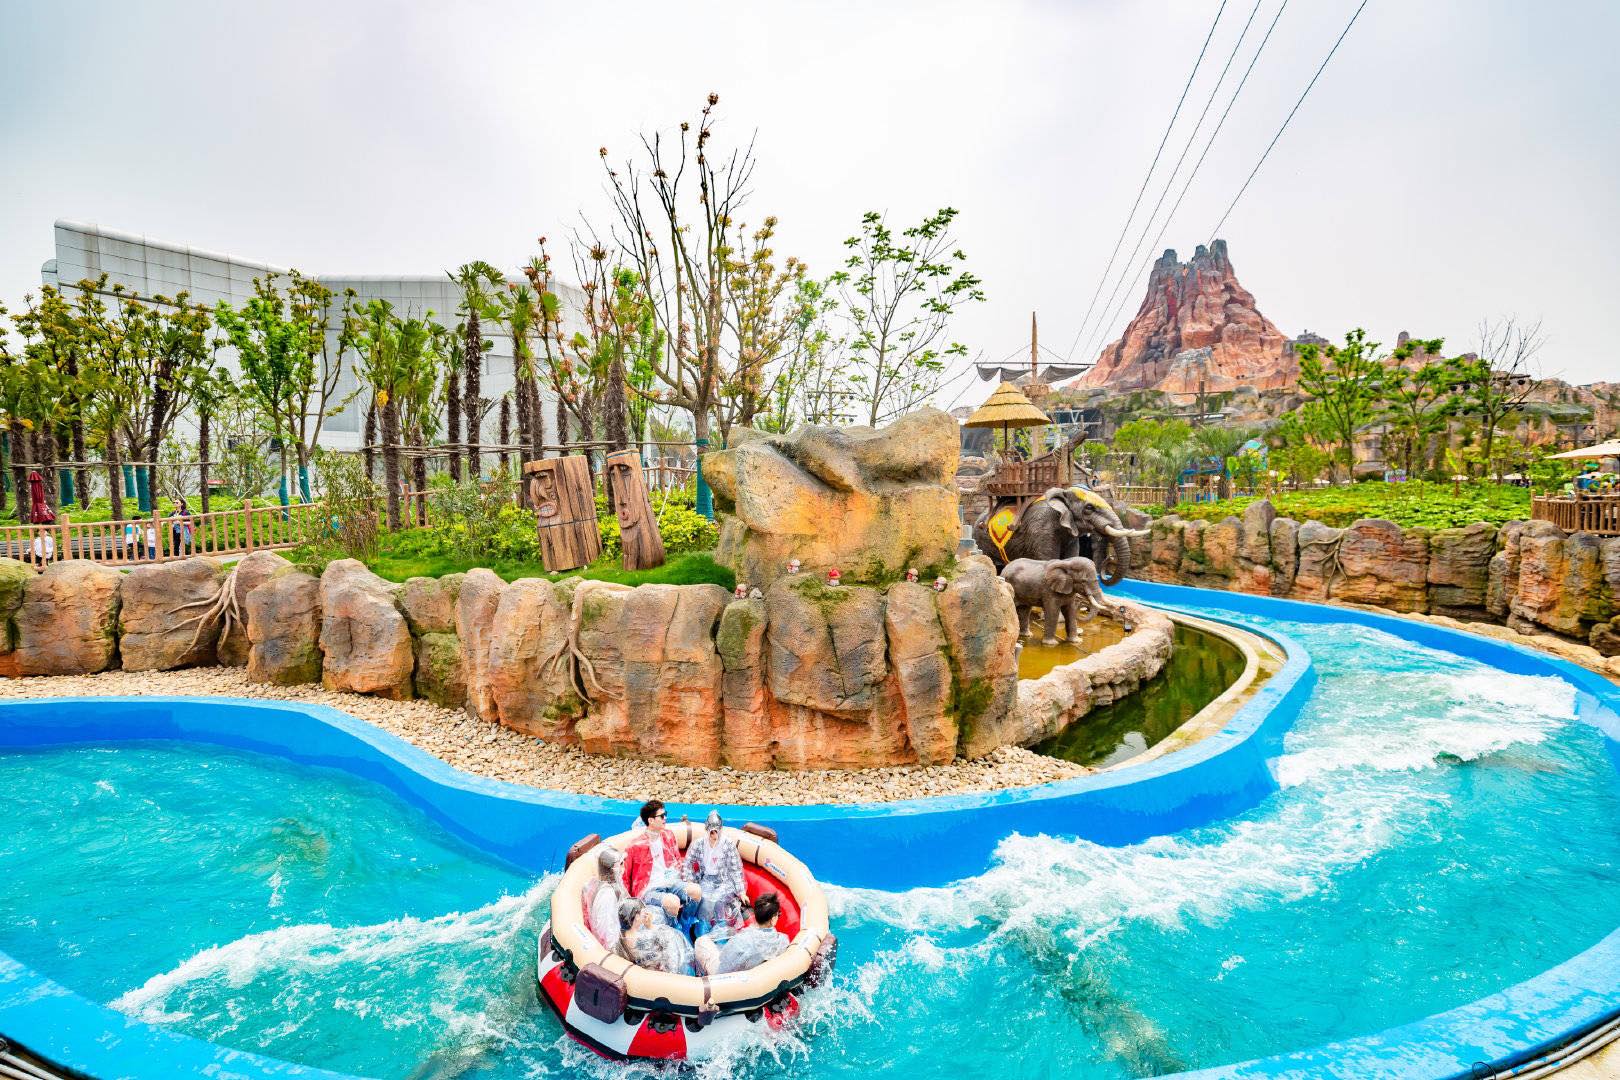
(1200, 669)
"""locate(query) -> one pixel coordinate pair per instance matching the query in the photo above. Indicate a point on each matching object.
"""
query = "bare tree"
(1494, 385)
(679, 241)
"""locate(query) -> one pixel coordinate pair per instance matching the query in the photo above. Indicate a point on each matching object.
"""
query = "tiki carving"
(564, 501)
(638, 526)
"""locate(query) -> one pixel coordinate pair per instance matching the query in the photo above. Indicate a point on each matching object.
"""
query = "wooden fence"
(159, 538)
(1599, 514)
(162, 537)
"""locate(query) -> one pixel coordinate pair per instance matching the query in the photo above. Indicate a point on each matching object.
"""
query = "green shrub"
(1430, 505)
(682, 528)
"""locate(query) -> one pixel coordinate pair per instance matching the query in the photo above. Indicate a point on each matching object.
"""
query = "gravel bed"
(487, 749)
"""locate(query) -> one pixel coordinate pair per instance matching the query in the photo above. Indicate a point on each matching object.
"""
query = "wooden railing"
(159, 537)
(162, 537)
(1599, 514)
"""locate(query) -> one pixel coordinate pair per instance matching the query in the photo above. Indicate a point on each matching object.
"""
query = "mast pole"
(1034, 348)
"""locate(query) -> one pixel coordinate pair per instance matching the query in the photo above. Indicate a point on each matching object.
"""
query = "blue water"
(1441, 831)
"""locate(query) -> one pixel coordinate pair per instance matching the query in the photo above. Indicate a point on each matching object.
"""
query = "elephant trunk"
(1119, 560)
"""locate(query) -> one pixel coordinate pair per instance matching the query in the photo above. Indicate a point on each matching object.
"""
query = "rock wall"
(804, 676)
(871, 502)
(1063, 695)
(1530, 575)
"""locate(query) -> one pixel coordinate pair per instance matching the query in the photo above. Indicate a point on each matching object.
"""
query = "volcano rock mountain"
(1196, 324)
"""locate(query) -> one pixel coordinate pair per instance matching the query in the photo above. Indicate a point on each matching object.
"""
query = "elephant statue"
(1061, 524)
(1067, 586)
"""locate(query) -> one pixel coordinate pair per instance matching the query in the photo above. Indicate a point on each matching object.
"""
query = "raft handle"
(764, 832)
(581, 846)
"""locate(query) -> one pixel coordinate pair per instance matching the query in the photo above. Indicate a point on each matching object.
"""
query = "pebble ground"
(480, 747)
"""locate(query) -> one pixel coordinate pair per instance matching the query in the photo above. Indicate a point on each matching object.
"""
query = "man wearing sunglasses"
(652, 870)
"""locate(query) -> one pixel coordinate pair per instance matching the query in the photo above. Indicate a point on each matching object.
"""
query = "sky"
(1457, 161)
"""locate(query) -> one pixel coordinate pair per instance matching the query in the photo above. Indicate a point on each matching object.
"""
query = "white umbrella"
(1601, 450)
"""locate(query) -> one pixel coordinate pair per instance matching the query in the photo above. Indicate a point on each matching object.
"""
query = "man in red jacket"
(652, 869)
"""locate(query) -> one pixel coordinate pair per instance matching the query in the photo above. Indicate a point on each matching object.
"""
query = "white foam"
(321, 948)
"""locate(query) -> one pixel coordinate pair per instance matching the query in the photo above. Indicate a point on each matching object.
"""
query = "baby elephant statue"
(1058, 585)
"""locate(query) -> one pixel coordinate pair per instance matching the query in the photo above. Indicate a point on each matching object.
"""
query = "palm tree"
(476, 279)
(382, 366)
(521, 312)
(212, 386)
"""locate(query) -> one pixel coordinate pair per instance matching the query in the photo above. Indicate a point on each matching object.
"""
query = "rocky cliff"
(1196, 324)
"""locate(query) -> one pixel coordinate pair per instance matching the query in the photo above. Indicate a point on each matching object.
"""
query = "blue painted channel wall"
(859, 845)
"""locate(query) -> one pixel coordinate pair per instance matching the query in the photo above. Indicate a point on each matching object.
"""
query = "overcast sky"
(1457, 161)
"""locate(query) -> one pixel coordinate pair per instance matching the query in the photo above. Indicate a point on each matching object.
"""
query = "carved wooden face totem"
(638, 525)
(564, 502)
(622, 481)
(543, 490)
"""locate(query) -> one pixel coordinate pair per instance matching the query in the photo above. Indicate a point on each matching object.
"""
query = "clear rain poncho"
(662, 948)
(602, 911)
(749, 948)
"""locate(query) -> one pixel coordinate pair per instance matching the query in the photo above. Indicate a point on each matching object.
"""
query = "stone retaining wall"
(1530, 575)
(1063, 695)
(803, 677)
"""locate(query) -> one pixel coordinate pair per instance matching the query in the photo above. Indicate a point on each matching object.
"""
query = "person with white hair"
(712, 860)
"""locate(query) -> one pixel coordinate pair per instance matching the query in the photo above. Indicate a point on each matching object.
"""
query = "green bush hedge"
(1430, 505)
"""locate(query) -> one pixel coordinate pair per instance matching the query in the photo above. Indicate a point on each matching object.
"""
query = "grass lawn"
(1431, 505)
(690, 568)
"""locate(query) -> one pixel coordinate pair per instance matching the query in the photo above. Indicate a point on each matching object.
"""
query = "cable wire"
(1165, 138)
(1101, 329)
(1199, 164)
(1290, 117)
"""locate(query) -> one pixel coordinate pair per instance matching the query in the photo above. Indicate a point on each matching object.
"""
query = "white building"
(151, 267)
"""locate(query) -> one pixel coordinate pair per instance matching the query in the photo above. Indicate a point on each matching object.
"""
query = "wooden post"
(156, 550)
(564, 501)
(63, 551)
(642, 547)
(247, 522)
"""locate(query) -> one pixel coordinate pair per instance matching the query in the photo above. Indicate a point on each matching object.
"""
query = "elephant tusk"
(1117, 533)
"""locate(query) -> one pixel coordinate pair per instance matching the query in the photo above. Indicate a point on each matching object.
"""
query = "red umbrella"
(40, 513)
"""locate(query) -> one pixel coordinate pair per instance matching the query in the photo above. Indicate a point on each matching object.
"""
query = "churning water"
(1442, 830)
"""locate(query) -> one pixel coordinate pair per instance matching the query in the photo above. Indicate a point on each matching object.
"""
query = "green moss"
(823, 596)
(566, 708)
(737, 623)
(969, 699)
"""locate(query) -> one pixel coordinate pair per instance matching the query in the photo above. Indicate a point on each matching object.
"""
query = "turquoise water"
(1441, 831)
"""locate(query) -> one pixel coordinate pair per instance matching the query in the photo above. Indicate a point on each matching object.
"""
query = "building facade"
(151, 267)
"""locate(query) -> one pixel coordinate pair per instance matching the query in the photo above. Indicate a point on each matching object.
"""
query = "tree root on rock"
(222, 605)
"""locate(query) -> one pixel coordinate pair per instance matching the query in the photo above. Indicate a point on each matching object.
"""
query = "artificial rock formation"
(169, 615)
(14, 579)
(429, 607)
(869, 502)
(68, 621)
(654, 673)
(1196, 325)
(252, 570)
(365, 643)
(284, 629)
(527, 670)
(1531, 575)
